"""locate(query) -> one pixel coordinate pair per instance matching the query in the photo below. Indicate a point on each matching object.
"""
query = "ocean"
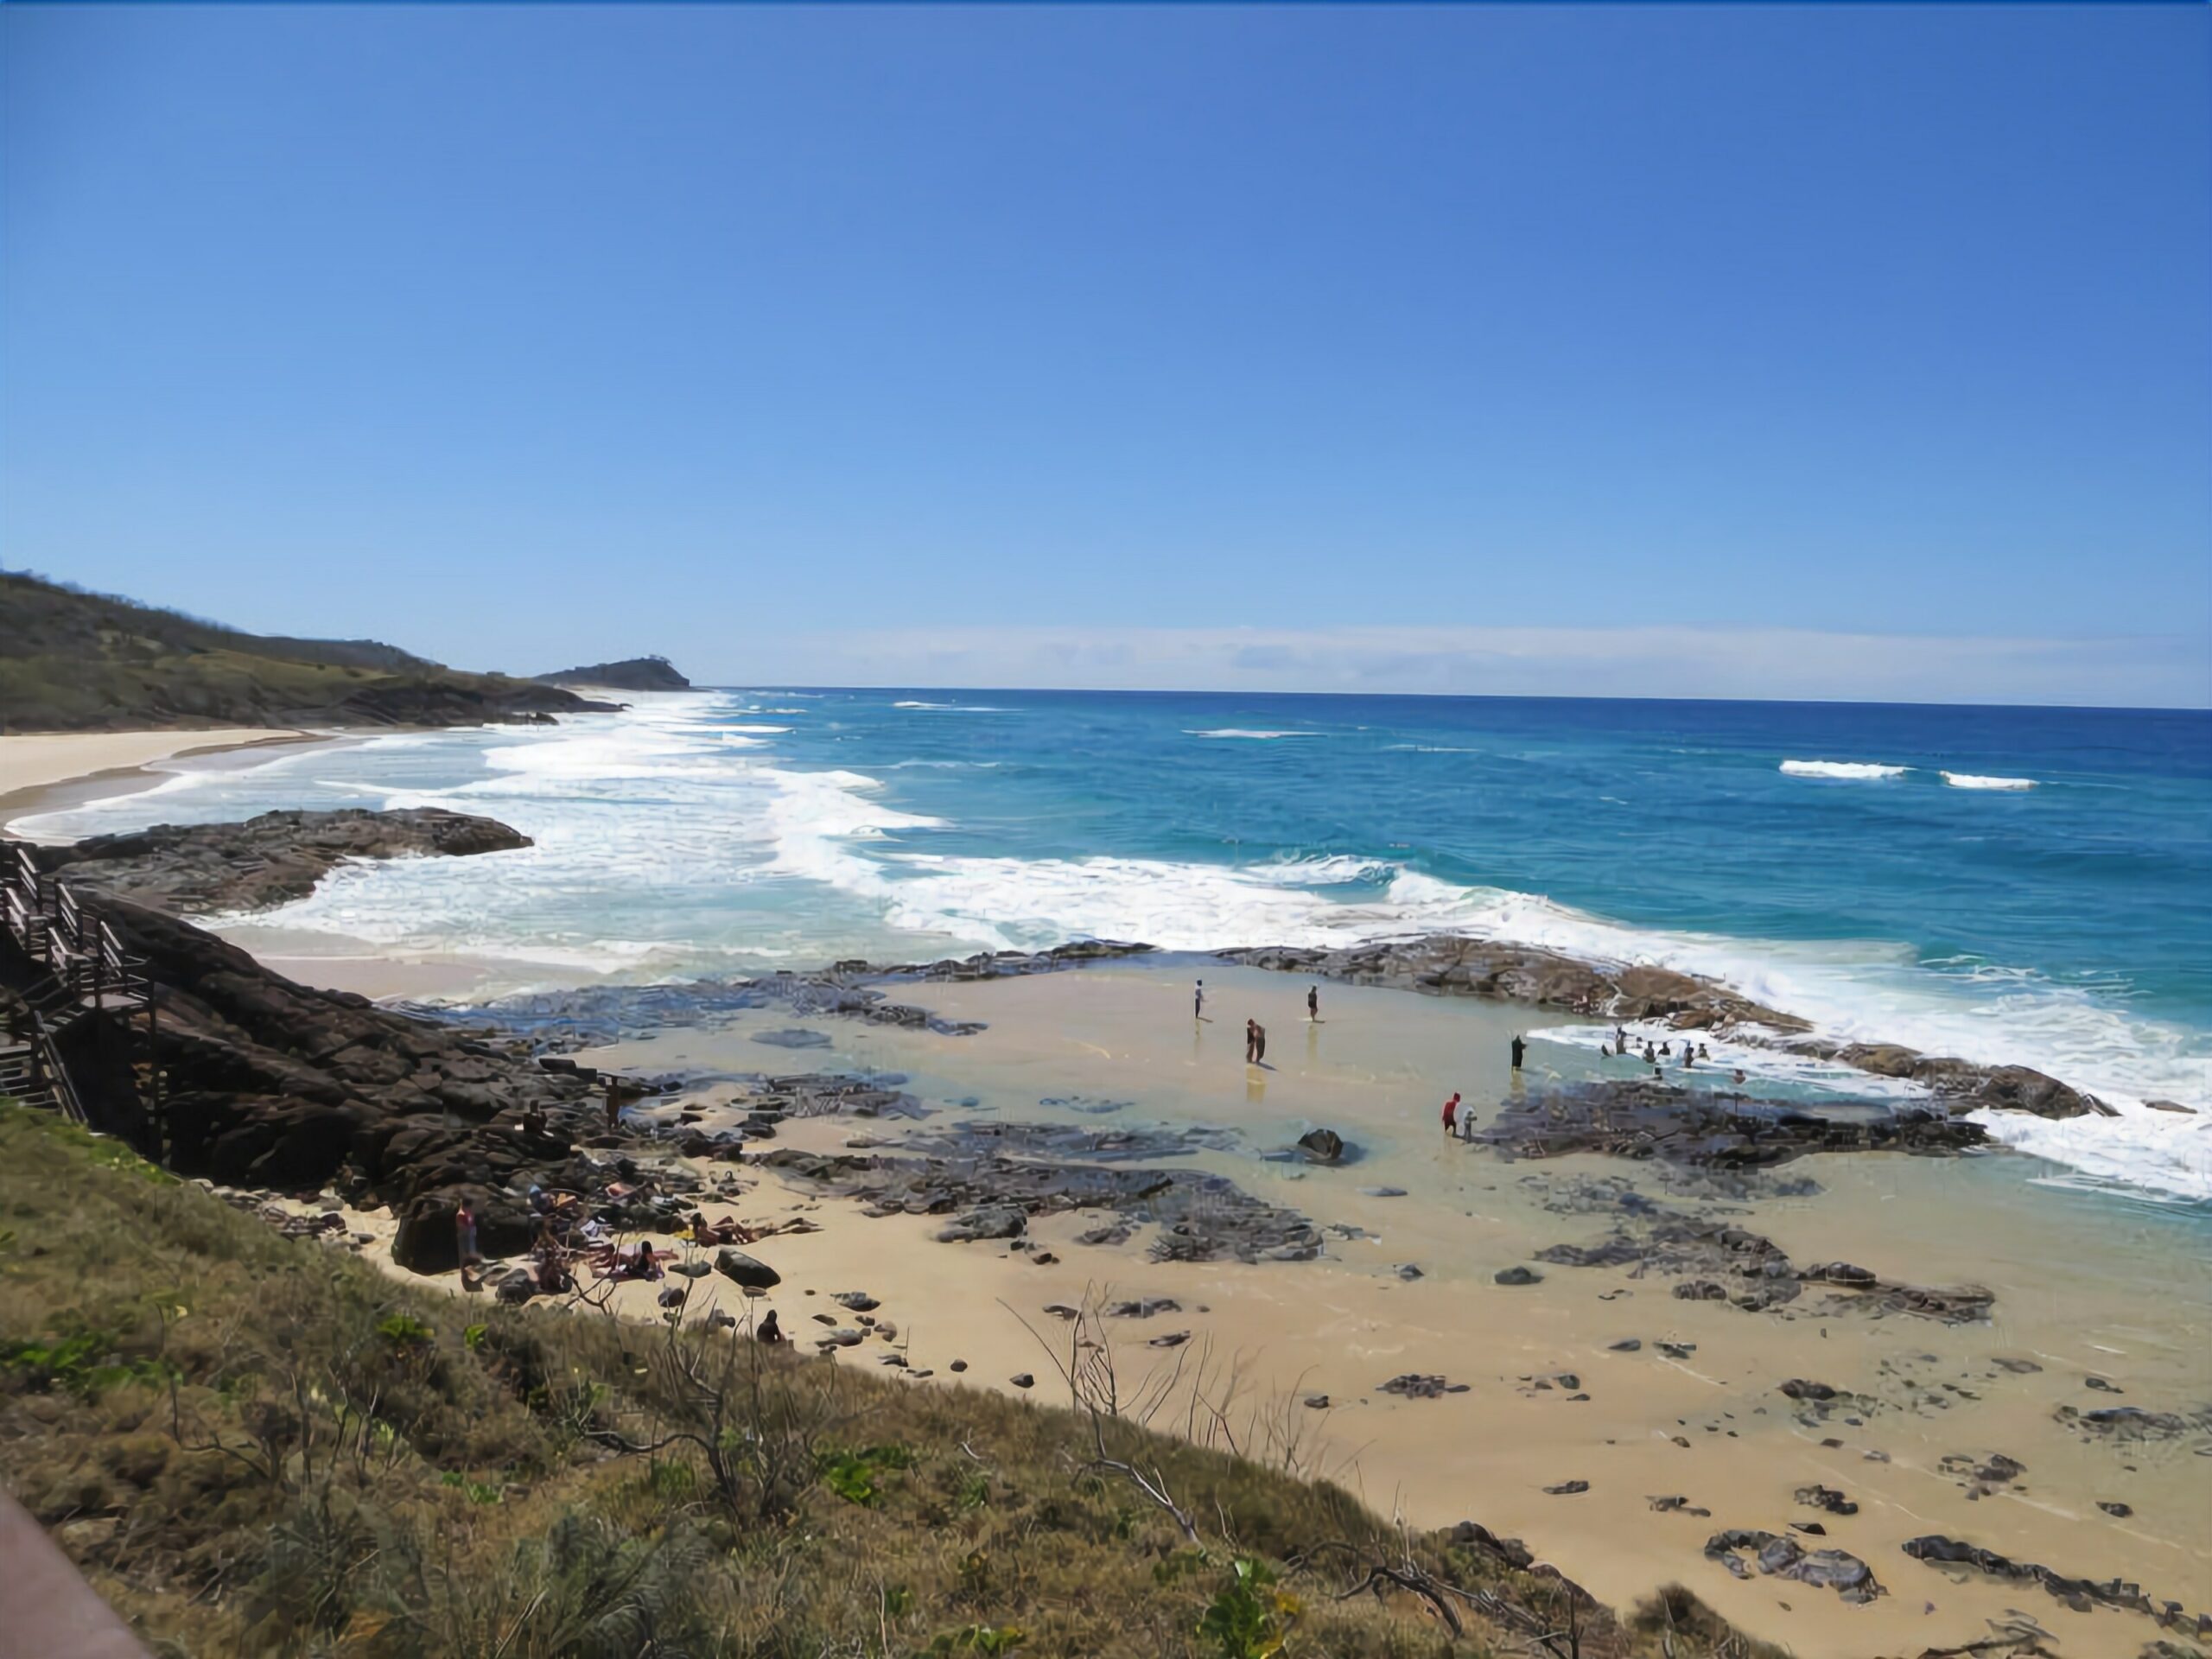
(2009, 885)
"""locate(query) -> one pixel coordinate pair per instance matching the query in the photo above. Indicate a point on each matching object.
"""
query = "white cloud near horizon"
(1758, 664)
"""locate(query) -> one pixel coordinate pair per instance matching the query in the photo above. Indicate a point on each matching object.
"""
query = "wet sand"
(2085, 1285)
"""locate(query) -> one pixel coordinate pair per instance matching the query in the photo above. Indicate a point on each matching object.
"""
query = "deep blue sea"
(2006, 884)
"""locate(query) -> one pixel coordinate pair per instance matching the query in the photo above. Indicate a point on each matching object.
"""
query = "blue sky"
(776, 340)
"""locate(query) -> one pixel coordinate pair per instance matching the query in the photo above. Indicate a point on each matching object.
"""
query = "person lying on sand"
(727, 1231)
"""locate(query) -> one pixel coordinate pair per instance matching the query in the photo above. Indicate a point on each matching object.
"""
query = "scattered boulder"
(1827, 1498)
(747, 1271)
(1516, 1276)
(991, 1221)
(1781, 1557)
(1322, 1146)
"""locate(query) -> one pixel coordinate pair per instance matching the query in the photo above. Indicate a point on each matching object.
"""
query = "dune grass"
(254, 1446)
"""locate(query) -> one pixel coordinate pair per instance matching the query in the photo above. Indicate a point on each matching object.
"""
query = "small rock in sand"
(1567, 1488)
(1517, 1277)
(1022, 1380)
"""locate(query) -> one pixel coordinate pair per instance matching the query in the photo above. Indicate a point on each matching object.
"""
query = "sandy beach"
(49, 771)
(1672, 1411)
(44, 772)
(1592, 1411)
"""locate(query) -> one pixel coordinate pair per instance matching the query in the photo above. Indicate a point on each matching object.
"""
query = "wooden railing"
(79, 962)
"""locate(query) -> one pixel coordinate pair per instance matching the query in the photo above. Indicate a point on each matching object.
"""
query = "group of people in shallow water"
(1656, 1056)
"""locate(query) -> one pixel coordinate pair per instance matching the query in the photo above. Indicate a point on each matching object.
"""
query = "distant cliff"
(71, 661)
(634, 674)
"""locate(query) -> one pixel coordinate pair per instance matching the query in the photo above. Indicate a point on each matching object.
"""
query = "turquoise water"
(2011, 884)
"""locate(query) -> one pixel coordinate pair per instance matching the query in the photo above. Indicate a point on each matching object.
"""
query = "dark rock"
(1516, 1276)
(1322, 1146)
(1383, 1191)
(1827, 1498)
(1627, 1345)
(1616, 1252)
(793, 1037)
(1449, 965)
(1414, 1386)
(2130, 1423)
(742, 1269)
(1798, 1388)
(1022, 1380)
(1782, 1557)
(2081, 1594)
(1473, 1534)
(1700, 1128)
(1567, 1488)
(1144, 1308)
(992, 1221)
(2118, 1511)
(266, 861)
(858, 1301)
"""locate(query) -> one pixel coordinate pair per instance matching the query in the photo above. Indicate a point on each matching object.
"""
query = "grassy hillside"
(75, 661)
(253, 1445)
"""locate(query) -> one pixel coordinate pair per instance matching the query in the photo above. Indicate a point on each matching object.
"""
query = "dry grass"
(255, 1446)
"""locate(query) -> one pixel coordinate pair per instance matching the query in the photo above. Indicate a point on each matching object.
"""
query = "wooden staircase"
(72, 966)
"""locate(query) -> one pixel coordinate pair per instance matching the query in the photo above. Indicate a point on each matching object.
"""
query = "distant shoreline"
(44, 771)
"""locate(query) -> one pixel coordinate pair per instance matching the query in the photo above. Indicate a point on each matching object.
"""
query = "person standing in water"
(1259, 1043)
(1198, 1002)
(1251, 1040)
(1520, 1049)
(1452, 1115)
(1313, 1003)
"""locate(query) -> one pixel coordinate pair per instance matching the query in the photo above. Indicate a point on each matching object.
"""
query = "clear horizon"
(1798, 355)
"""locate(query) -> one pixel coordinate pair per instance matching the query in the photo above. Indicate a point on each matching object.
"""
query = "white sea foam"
(1249, 736)
(1968, 780)
(661, 849)
(765, 731)
(956, 708)
(1862, 770)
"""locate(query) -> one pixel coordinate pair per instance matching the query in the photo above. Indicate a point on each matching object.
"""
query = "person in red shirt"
(1452, 1115)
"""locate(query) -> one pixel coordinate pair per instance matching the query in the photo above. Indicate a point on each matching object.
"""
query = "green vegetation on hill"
(255, 1445)
(75, 661)
(632, 674)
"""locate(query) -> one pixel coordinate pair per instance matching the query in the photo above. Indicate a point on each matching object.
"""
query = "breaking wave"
(1853, 769)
